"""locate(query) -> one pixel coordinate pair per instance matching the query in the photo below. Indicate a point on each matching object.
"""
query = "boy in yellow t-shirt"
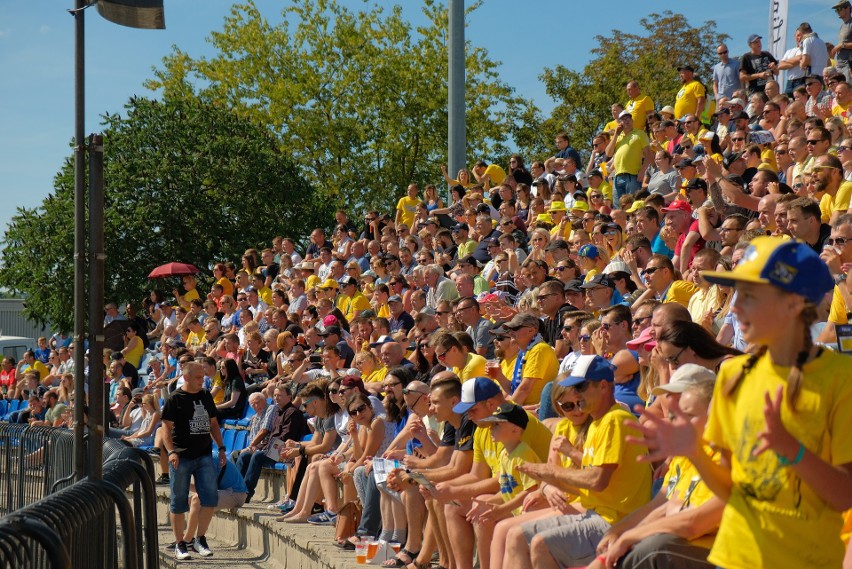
(507, 428)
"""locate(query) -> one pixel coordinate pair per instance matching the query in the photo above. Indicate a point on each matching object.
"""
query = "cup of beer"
(361, 552)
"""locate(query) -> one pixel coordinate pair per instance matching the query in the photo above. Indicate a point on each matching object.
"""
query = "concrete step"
(251, 538)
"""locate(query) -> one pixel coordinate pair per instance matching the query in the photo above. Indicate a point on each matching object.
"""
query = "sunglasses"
(334, 391)
(567, 328)
(738, 139)
(358, 410)
(839, 241)
(501, 338)
(568, 406)
(652, 270)
(638, 321)
(442, 355)
(406, 391)
(584, 338)
(811, 142)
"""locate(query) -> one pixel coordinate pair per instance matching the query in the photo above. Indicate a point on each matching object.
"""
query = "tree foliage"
(358, 98)
(185, 181)
(584, 97)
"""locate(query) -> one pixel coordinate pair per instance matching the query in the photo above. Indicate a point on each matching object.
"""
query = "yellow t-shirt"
(683, 483)
(39, 368)
(628, 152)
(467, 248)
(227, 286)
(540, 362)
(473, 367)
(611, 126)
(377, 375)
(840, 202)
(839, 110)
(590, 275)
(351, 306)
(408, 207)
(630, 484)
(640, 108)
(773, 518)
(687, 98)
(487, 450)
(565, 428)
(837, 314)
(512, 480)
(383, 311)
(767, 156)
(191, 295)
(193, 340)
(680, 292)
(496, 173)
(265, 294)
(220, 395)
(703, 301)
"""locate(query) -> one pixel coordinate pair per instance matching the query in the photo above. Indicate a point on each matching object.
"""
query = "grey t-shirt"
(481, 334)
(664, 183)
(845, 37)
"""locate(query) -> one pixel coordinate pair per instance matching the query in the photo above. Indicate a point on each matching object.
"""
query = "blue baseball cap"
(589, 251)
(589, 368)
(474, 391)
(792, 266)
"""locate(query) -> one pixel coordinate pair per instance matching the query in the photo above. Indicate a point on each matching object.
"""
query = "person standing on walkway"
(189, 421)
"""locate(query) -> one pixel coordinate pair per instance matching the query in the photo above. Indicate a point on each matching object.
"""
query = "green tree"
(359, 97)
(185, 181)
(584, 97)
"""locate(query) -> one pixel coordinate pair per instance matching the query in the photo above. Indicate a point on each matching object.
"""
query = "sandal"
(344, 544)
(398, 563)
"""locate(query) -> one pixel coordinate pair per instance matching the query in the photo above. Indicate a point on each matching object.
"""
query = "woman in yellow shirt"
(781, 417)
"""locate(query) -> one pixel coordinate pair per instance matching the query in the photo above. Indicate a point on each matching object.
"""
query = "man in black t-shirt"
(189, 422)
(757, 66)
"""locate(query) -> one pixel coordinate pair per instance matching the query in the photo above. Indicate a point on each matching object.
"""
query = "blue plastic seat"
(240, 440)
(228, 440)
(4, 407)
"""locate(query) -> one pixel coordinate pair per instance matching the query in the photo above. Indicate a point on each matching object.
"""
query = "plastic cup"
(361, 553)
(491, 367)
(372, 549)
(396, 547)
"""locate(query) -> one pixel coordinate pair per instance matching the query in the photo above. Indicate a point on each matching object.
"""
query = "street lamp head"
(144, 14)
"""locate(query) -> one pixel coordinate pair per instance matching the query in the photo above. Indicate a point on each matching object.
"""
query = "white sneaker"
(181, 552)
(278, 506)
(201, 547)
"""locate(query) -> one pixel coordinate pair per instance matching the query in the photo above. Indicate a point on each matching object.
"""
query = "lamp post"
(147, 14)
(457, 136)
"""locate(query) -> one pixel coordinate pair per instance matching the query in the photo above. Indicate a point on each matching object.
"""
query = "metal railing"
(52, 522)
(34, 462)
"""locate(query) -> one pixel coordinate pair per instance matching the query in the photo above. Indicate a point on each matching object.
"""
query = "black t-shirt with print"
(190, 413)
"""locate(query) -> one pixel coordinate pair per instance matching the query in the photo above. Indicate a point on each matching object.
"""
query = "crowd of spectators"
(631, 360)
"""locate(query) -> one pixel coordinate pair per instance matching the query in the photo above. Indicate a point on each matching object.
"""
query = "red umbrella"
(173, 270)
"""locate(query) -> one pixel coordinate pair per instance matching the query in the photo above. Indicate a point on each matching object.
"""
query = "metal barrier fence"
(34, 462)
(54, 523)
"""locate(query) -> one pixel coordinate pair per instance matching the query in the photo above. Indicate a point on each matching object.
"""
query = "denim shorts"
(203, 471)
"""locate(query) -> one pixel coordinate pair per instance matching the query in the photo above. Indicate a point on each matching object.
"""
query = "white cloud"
(44, 29)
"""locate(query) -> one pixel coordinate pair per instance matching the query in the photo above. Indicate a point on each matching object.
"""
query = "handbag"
(348, 520)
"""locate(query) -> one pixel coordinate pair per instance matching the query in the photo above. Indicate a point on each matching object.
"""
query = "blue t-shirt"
(42, 355)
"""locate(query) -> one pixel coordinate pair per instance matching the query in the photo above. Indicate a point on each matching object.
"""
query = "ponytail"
(794, 379)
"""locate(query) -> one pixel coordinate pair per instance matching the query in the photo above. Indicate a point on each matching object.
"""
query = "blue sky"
(37, 59)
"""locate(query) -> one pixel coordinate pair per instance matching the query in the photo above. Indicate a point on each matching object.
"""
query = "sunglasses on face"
(568, 406)
(839, 241)
(651, 270)
(358, 410)
(567, 328)
(584, 338)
